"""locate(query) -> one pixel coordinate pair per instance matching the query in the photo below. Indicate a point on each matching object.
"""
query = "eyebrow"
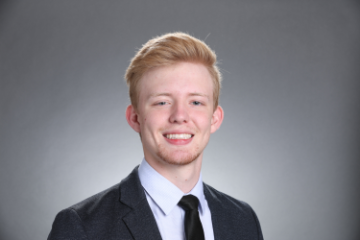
(199, 94)
(159, 94)
(168, 95)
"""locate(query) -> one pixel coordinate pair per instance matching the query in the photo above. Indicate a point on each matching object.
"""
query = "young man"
(174, 87)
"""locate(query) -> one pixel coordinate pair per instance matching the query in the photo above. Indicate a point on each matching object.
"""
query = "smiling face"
(175, 114)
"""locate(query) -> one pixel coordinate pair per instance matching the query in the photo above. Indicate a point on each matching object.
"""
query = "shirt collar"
(165, 194)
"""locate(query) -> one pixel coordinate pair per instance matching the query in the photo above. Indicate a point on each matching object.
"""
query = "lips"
(178, 138)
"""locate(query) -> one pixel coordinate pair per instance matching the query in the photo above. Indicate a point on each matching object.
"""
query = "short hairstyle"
(169, 49)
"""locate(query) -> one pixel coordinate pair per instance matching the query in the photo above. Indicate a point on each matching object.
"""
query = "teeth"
(178, 136)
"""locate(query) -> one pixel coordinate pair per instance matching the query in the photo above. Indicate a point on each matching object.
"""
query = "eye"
(196, 103)
(161, 103)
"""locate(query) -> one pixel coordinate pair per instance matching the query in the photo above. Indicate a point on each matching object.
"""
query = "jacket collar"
(218, 217)
(140, 219)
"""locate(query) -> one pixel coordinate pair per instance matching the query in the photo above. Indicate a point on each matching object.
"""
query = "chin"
(178, 157)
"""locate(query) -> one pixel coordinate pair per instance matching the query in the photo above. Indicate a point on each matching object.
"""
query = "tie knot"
(189, 202)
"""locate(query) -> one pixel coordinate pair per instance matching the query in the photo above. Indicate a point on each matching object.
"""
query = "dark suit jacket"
(122, 212)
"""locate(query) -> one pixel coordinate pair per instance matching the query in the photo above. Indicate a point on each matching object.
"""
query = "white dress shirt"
(163, 197)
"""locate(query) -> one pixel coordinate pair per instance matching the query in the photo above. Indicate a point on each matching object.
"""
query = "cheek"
(203, 121)
(151, 122)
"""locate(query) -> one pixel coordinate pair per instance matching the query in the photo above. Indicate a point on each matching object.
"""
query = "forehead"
(179, 78)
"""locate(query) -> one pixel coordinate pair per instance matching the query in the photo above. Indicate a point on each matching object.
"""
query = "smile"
(178, 136)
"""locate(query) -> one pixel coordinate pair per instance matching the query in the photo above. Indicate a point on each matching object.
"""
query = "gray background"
(289, 141)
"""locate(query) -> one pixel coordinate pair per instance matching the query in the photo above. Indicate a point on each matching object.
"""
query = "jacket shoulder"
(97, 217)
(238, 216)
(97, 203)
(226, 201)
(102, 215)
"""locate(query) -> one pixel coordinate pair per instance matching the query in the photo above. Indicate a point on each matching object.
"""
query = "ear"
(132, 118)
(217, 119)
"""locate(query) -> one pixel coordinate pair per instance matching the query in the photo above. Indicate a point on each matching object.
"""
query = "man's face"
(175, 114)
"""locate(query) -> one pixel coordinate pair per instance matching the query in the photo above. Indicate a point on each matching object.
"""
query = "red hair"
(169, 49)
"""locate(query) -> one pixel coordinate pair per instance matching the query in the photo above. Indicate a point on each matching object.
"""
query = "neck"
(184, 177)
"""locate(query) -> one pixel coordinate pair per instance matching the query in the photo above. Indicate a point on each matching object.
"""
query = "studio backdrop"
(289, 143)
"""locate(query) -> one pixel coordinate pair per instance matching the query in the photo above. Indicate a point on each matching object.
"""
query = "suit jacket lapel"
(140, 219)
(218, 218)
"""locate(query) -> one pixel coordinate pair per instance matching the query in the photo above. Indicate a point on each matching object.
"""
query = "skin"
(176, 99)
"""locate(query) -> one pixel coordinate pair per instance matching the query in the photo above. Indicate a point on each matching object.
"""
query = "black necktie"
(193, 227)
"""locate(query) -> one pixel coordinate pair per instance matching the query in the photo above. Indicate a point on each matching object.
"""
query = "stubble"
(177, 157)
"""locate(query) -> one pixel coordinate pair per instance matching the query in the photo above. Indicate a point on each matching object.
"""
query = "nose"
(179, 114)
